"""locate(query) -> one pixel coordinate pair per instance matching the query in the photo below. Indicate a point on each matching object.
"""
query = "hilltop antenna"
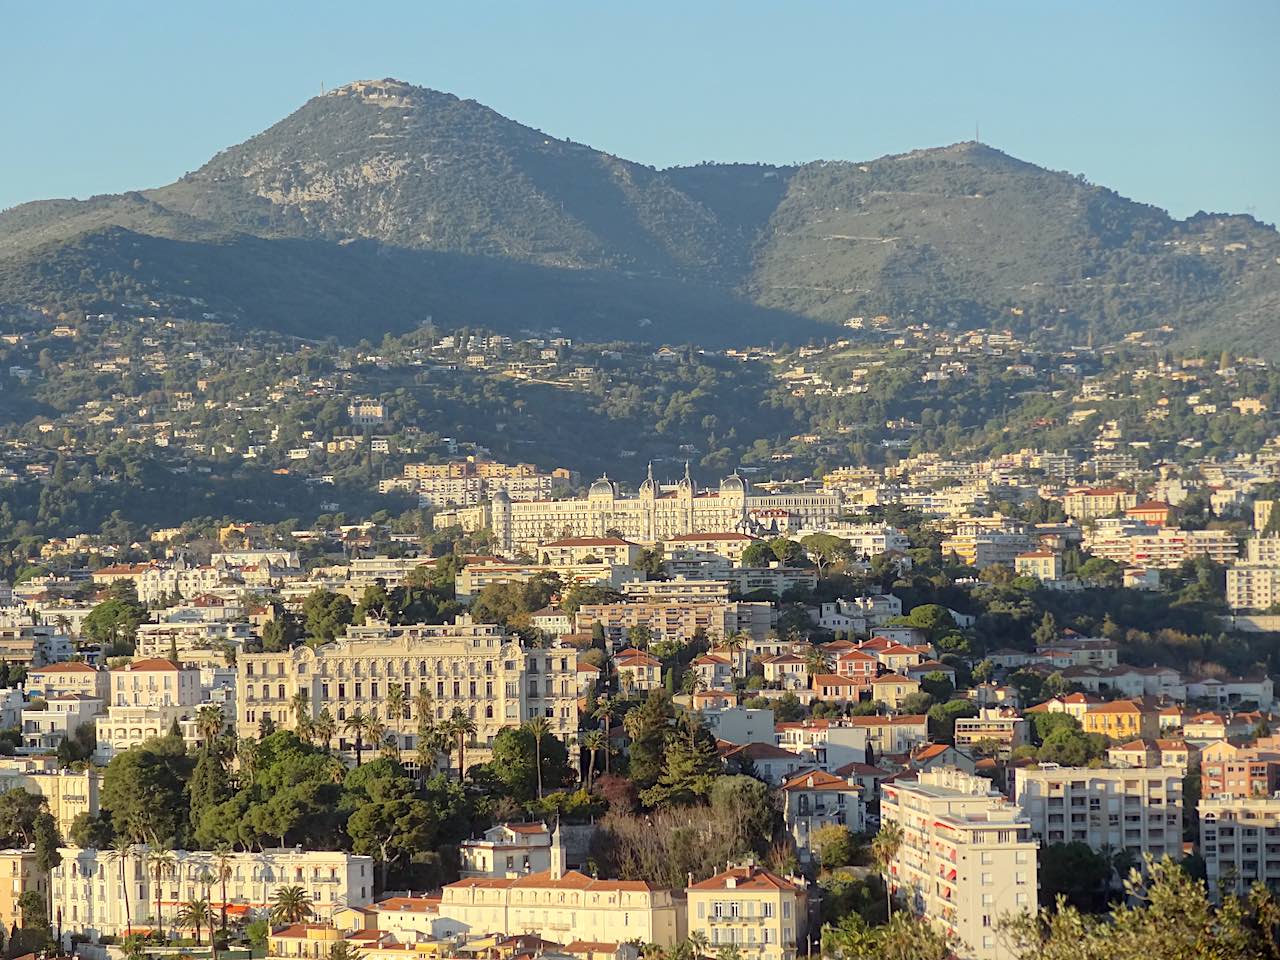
(977, 132)
(322, 88)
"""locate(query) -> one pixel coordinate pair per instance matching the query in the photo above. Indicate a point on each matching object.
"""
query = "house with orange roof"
(715, 670)
(837, 689)
(786, 671)
(507, 850)
(1122, 720)
(763, 915)
(857, 664)
(637, 670)
(926, 756)
(770, 763)
(892, 688)
(813, 799)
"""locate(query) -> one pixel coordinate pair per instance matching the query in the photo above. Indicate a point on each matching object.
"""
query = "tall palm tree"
(209, 724)
(160, 859)
(540, 728)
(325, 727)
(594, 741)
(884, 848)
(375, 731)
(427, 734)
(197, 914)
(291, 905)
(121, 847)
(606, 707)
(463, 728)
(736, 643)
(354, 726)
(222, 860)
(247, 759)
(395, 703)
(300, 705)
(698, 943)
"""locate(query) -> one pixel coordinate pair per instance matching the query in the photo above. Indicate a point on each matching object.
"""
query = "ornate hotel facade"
(657, 513)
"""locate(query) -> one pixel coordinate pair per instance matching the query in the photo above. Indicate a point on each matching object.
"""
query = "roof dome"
(603, 489)
(733, 484)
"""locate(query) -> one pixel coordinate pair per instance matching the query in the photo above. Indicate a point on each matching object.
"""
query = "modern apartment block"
(1138, 809)
(967, 858)
(475, 667)
(1240, 842)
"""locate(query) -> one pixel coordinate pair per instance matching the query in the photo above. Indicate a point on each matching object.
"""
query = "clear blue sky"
(1170, 102)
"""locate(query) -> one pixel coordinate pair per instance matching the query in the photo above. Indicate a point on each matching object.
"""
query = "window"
(986, 879)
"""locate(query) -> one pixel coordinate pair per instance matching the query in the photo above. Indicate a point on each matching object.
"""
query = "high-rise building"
(967, 858)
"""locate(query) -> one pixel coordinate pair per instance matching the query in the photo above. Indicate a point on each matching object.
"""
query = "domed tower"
(649, 488)
(733, 495)
(649, 507)
(685, 492)
(500, 521)
(603, 489)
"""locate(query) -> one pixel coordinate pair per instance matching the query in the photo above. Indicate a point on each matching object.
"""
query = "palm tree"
(736, 642)
(196, 914)
(884, 848)
(693, 682)
(222, 860)
(209, 724)
(325, 727)
(345, 950)
(463, 728)
(594, 741)
(160, 858)
(354, 726)
(300, 704)
(291, 905)
(606, 707)
(247, 759)
(121, 847)
(540, 728)
(395, 703)
(698, 943)
(815, 661)
(375, 731)
(653, 951)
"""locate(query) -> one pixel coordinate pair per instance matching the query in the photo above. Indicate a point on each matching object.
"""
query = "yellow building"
(1121, 720)
(759, 912)
(18, 874)
(312, 940)
(68, 793)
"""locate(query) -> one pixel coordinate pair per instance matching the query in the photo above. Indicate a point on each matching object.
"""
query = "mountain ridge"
(963, 233)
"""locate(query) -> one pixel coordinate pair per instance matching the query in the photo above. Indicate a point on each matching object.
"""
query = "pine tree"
(691, 766)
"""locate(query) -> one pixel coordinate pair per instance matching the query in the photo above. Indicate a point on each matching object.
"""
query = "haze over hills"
(379, 203)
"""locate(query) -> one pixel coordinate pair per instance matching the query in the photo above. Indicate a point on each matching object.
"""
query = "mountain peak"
(387, 92)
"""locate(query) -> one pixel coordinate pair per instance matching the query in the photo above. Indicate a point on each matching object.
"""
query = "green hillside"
(380, 201)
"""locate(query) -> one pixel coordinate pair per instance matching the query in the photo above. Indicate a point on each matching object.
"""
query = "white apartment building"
(815, 799)
(475, 667)
(507, 850)
(87, 892)
(1253, 586)
(1162, 548)
(147, 697)
(45, 727)
(1138, 809)
(1240, 842)
(1263, 550)
(967, 858)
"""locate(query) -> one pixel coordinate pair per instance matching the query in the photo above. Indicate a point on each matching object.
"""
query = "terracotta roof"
(759, 751)
(154, 663)
(409, 904)
(745, 878)
(68, 667)
(571, 880)
(526, 827)
(892, 678)
(834, 680)
(591, 946)
(820, 780)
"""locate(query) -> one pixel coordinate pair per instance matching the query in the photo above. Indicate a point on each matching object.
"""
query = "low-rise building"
(815, 799)
(760, 913)
(507, 850)
(87, 895)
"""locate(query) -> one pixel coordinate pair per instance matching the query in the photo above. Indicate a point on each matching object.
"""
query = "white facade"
(87, 891)
(1136, 809)
(967, 858)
